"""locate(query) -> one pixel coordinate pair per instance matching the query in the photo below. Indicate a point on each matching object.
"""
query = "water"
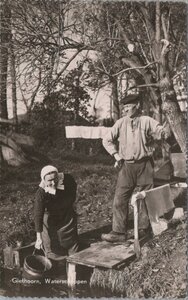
(12, 285)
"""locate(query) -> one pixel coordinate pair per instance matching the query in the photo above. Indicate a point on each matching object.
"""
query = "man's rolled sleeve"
(39, 209)
(156, 129)
(110, 140)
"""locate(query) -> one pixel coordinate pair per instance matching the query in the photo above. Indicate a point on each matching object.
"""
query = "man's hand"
(166, 132)
(119, 161)
(137, 196)
(38, 243)
(164, 135)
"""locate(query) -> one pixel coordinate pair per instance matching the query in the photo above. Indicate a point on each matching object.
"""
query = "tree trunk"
(76, 109)
(169, 100)
(4, 43)
(174, 116)
(155, 101)
(13, 82)
(115, 102)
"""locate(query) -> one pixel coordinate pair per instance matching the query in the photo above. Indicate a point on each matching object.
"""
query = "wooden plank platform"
(104, 254)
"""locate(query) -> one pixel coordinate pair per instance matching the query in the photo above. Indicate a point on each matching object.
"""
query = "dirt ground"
(161, 271)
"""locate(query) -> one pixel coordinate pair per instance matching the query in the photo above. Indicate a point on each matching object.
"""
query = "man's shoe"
(113, 237)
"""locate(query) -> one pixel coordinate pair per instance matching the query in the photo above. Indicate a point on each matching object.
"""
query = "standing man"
(54, 215)
(134, 160)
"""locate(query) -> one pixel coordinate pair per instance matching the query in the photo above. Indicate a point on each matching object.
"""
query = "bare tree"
(5, 38)
(45, 45)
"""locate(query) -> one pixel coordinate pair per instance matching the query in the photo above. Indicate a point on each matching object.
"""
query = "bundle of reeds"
(114, 280)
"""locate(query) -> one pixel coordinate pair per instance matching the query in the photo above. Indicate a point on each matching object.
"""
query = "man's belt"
(132, 161)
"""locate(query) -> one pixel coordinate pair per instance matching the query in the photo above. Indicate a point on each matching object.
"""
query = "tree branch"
(23, 97)
(158, 22)
(178, 50)
(36, 91)
(166, 35)
(156, 85)
(152, 54)
(134, 68)
(166, 23)
(65, 67)
(124, 35)
(139, 42)
(135, 57)
(144, 11)
(105, 70)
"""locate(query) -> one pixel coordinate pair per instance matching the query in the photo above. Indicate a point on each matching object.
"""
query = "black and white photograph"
(93, 121)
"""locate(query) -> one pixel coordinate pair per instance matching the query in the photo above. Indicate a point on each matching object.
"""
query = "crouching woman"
(54, 215)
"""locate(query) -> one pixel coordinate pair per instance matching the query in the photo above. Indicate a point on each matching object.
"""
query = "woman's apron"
(59, 233)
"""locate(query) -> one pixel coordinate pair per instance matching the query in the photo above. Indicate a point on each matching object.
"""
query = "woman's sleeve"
(39, 208)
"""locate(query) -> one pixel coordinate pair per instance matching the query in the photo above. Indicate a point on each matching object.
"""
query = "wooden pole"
(136, 240)
(71, 275)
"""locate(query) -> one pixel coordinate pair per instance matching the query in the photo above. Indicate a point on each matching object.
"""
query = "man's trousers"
(137, 175)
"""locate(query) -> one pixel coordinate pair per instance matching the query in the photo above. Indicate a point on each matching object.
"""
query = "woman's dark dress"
(55, 217)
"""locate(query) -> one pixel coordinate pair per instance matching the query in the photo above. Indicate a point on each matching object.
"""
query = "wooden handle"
(42, 248)
(136, 220)
(136, 240)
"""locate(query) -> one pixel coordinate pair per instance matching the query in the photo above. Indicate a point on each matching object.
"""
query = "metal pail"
(35, 267)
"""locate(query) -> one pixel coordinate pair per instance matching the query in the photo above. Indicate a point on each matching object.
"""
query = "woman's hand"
(38, 243)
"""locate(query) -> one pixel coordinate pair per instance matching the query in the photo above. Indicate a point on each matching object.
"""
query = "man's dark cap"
(132, 98)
